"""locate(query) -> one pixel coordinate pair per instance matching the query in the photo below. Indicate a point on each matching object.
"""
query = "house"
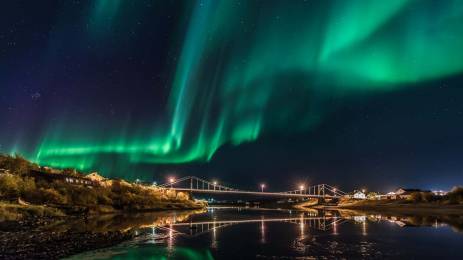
(71, 179)
(94, 176)
(402, 193)
(100, 180)
(359, 195)
(388, 196)
(439, 192)
(51, 170)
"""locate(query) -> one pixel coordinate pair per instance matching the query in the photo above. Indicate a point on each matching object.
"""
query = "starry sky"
(351, 93)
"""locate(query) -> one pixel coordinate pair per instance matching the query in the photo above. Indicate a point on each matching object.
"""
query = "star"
(35, 96)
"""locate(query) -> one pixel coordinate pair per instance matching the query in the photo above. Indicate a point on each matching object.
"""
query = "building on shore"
(401, 193)
(68, 178)
(439, 192)
(359, 195)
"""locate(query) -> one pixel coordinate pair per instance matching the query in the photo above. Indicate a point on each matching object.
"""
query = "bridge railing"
(318, 190)
(197, 184)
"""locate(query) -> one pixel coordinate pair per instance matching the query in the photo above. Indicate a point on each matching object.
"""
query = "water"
(239, 233)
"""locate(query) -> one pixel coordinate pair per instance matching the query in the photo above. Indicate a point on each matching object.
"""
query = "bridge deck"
(198, 185)
(256, 193)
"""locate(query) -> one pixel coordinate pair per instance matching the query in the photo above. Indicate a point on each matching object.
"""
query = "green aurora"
(248, 69)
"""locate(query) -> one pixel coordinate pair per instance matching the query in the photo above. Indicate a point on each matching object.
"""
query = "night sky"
(350, 93)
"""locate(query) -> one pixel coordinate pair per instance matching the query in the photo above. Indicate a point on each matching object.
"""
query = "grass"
(14, 211)
(441, 206)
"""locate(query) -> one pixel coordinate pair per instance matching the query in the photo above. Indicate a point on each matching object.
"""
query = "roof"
(55, 175)
(408, 191)
(94, 176)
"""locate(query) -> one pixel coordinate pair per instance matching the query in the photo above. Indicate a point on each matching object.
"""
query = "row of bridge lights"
(172, 180)
(262, 185)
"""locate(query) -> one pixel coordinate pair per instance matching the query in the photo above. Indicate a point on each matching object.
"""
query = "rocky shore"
(27, 240)
(61, 236)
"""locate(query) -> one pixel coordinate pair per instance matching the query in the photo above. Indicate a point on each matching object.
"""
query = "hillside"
(27, 189)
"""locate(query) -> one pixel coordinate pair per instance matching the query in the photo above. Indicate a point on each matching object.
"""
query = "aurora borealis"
(112, 84)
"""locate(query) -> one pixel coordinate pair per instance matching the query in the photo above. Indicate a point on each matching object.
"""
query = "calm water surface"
(239, 233)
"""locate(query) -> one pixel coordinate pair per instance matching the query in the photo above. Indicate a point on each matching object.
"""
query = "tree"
(415, 197)
(182, 196)
(50, 195)
(19, 165)
(9, 186)
(372, 195)
(27, 186)
(427, 196)
(456, 195)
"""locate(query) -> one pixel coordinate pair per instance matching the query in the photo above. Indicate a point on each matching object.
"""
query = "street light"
(171, 181)
(215, 183)
(301, 187)
(262, 186)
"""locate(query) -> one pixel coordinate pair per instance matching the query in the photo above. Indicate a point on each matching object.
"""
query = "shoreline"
(55, 237)
(26, 239)
(408, 209)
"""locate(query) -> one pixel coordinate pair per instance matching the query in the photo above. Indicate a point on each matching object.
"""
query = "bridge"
(197, 185)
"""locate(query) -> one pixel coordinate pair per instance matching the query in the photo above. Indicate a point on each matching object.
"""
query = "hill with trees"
(27, 189)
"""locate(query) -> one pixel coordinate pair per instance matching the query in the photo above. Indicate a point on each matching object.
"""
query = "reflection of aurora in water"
(242, 75)
(152, 252)
(164, 253)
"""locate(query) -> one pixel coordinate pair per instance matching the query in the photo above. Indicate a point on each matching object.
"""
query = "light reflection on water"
(249, 233)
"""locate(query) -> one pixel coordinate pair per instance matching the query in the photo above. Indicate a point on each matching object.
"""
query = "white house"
(439, 192)
(359, 195)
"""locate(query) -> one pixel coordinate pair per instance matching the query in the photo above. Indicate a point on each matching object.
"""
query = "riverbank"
(26, 240)
(29, 189)
(400, 207)
(61, 236)
(41, 232)
(44, 232)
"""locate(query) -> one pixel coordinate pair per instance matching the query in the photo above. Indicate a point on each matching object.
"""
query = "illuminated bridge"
(197, 185)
